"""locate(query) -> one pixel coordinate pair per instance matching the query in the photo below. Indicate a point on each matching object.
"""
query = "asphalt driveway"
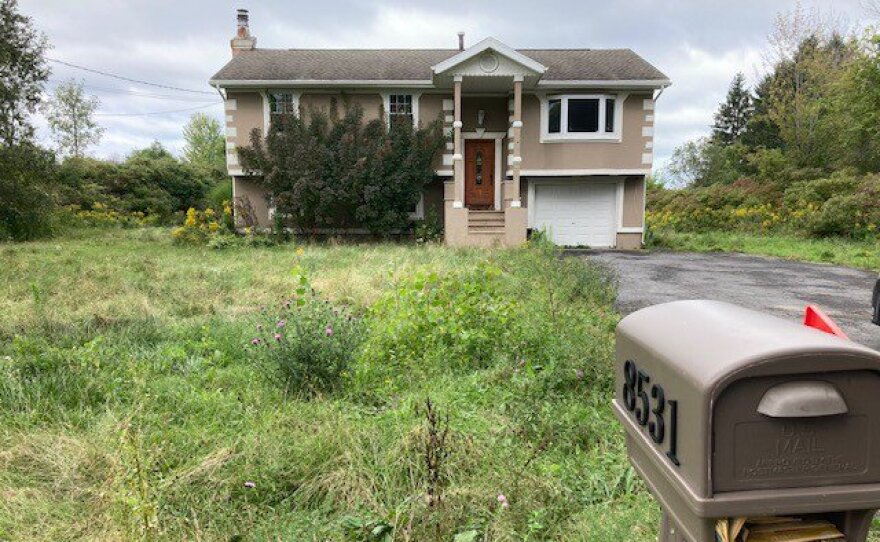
(776, 286)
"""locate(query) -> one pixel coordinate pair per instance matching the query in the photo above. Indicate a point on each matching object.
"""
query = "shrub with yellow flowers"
(198, 227)
(101, 216)
(843, 204)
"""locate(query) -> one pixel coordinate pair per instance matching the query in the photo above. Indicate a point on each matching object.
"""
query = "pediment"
(489, 58)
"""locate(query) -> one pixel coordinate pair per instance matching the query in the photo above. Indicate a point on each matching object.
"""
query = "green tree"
(799, 98)
(205, 144)
(70, 113)
(761, 131)
(705, 162)
(23, 72)
(857, 107)
(26, 195)
(733, 115)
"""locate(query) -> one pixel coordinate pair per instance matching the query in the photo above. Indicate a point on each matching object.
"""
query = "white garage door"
(577, 213)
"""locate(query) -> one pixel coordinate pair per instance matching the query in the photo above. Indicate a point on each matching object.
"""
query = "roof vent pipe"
(461, 41)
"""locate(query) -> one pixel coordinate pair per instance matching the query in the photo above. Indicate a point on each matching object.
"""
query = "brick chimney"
(461, 41)
(243, 41)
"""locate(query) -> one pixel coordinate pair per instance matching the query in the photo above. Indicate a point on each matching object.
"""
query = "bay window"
(581, 116)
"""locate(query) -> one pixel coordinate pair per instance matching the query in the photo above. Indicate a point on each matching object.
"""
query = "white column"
(458, 156)
(516, 126)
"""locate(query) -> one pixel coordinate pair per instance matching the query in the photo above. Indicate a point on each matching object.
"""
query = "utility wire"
(131, 92)
(156, 112)
(129, 79)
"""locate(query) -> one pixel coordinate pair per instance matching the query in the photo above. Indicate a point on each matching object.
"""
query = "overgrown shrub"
(220, 193)
(332, 171)
(26, 192)
(150, 181)
(308, 341)
(842, 204)
(201, 226)
(100, 216)
(428, 229)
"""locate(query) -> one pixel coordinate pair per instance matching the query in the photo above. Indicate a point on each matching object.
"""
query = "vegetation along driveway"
(780, 287)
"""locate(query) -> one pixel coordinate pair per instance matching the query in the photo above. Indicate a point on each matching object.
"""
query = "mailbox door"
(800, 430)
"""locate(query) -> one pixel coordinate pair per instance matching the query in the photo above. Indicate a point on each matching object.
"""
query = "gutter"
(319, 83)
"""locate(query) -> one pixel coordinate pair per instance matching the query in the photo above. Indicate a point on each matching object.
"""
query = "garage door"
(577, 213)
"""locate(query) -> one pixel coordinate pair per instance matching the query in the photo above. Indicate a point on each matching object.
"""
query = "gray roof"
(415, 64)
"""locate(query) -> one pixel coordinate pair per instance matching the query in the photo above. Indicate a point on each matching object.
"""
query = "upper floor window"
(581, 117)
(281, 103)
(400, 107)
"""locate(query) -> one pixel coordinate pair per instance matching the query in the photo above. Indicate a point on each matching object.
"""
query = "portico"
(484, 207)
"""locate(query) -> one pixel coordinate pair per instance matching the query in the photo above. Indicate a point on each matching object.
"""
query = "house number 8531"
(650, 408)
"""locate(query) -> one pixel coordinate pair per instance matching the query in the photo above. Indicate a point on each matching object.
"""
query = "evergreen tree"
(23, 72)
(70, 115)
(761, 131)
(733, 115)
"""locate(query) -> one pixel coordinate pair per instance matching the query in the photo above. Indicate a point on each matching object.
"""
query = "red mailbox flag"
(814, 317)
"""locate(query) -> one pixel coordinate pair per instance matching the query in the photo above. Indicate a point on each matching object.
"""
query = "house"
(552, 139)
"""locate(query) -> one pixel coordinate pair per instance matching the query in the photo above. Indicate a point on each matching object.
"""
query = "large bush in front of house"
(332, 170)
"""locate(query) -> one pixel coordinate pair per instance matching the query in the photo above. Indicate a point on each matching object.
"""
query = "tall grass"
(133, 407)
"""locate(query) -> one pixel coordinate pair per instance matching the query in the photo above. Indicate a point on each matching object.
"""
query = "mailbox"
(732, 413)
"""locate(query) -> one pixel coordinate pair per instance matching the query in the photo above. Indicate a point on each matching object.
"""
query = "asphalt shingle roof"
(415, 64)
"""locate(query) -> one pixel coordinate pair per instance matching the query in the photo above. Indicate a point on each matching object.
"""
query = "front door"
(479, 173)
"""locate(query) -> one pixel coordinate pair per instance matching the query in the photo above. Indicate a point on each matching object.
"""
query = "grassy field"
(858, 254)
(134, 407)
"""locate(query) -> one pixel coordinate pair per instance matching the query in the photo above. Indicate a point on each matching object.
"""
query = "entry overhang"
(489, 59)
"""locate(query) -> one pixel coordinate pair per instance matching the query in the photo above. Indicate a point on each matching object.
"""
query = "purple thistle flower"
(281, 323)
(277, 336)
(255, 341)
(250, 485)
(503, 500)
(328, 331)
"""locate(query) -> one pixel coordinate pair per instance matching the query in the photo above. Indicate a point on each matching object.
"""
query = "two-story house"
(552, 139)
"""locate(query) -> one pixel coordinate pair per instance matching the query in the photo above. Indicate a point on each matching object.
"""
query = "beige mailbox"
(731, 413)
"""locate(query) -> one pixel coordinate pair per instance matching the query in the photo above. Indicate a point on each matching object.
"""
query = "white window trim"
(613, 137)
(267, 105)
(386, 105)
(419, 213)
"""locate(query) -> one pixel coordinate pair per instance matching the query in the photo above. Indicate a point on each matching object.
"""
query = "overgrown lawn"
(848, 252)
(133, 404)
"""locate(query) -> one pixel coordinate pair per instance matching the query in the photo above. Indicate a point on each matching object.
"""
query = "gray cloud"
(699, 44)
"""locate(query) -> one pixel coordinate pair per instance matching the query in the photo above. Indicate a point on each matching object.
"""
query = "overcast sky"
(699, 44)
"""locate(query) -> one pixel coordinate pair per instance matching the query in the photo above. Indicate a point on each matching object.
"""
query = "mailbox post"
(730, 413)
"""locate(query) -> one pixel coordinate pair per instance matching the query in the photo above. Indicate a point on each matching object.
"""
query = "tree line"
(815, 111)
(799, 153)
(41, 188)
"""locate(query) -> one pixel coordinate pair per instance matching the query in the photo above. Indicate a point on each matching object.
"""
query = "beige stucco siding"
(244, 112)
(627, 154)
(371, 103)
(431, 108)
(633, 202)
(496, 113)
(245, 190)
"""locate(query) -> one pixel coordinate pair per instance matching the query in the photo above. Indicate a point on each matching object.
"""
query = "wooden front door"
(479, 173)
